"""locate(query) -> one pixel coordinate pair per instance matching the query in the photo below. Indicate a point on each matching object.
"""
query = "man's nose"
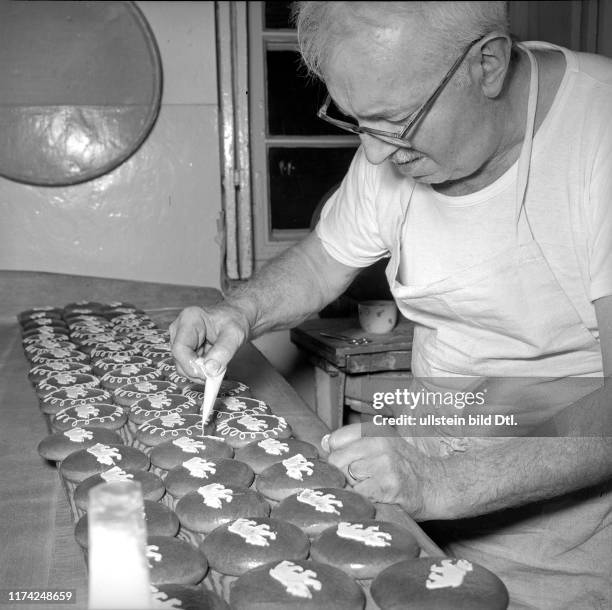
(376, 150)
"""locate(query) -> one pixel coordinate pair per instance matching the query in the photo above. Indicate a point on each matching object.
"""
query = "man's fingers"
(341, 437)
(188, 333)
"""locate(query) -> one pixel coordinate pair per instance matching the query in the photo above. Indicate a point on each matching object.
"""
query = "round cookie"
(104, 365)
(60, 445)
(128, 374)
(89, 342)
(127, 395)
(234, 406)
(99, 458)
(242, 430)
(195, 472)
(55, 401)
(290, 476)
(364, 548)
(214, 504)
(159, 519)
(298, 584)
(35, 347)
(66, 379)
(174, 561)
(152, 486)
(158, 405)
(314, 510)
(60, 353)
(166, 367)
(95, 415)
(259, 455)
(228, 387)
(186, 598)
(173, 453)
(243, 544)
(42, 371)
(169, 426)
(438, 583)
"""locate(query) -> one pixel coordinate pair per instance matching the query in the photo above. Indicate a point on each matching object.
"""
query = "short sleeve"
(600, 265)
(348, 227)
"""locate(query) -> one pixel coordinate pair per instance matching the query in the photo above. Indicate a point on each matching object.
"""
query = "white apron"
(510, 317)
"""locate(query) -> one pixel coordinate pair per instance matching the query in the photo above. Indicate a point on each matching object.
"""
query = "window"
(295, 157)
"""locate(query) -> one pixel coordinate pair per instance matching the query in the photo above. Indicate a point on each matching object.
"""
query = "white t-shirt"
(568, 201)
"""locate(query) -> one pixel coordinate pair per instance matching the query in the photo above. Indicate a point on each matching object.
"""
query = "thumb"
(217, 358)
(341, 437)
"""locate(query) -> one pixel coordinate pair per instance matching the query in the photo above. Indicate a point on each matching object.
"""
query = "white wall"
(154, 218)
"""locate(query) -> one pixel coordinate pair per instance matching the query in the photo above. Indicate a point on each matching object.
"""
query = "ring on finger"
(353, 476)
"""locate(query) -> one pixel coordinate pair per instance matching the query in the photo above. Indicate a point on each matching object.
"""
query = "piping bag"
(211, 390)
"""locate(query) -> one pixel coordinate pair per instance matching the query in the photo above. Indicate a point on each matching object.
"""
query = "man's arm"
(287, 290)
(485, 479)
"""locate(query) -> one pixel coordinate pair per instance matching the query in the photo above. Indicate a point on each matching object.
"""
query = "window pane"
(294, 98)
(299, 178)
(277, 15)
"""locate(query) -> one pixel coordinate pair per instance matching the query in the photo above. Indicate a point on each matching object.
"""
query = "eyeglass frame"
(418, 114)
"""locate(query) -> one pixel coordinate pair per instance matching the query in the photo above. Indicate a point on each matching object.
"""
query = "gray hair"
(448, 27)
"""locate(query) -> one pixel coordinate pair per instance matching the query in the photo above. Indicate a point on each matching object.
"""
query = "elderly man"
(484, 172)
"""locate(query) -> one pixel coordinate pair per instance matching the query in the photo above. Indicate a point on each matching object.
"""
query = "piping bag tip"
(211, 388)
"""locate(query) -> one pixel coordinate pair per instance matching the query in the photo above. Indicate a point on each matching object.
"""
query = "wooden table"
(348, 375)
(38, 549)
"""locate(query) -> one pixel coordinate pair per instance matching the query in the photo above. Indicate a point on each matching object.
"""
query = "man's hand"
(216, 332)
(388, 469)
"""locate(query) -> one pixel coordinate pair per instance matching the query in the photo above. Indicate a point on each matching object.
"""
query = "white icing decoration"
(296, 580)
(145, 386)
(129, 369)
(323, 503)
(36, 316)
(214, 494)
(171, 419)
(65, 378)
(448, 574)
(252, 423)
(120, 358)
(161, 600)
(273, 446)
(188, 445)
(76, 392)
(152, 552)
(59, 366)
(252, 533)
(104, 454)
(234, 404)
(116, 474)
(199, 467)
(86, 411)
(158, 401)
(60, 352)
(113, 345)
(296, 466)
(78, 435)
(370, 536)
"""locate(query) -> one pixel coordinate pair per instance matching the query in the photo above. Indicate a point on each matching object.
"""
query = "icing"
(104, 454)
(234, 404)
(252, 423)
(370, 536)
(86, 411)
(116, 474)
(298, 465)
(159, 401)
(130, 369)
(76, 392)
(252, 533)
(273, 446)
(65, 378)
(215, 493)
(78, 435)
(296, 580)
(171, 419)
(448, 574)
(161, 599)
(145, 386)
(188, 445)
(323, 503)
(199, 467)
(152, 552)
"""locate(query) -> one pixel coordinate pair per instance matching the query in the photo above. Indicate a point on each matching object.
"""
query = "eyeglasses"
(401, 137)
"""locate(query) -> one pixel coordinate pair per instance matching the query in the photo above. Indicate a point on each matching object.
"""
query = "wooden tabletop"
(36, 529)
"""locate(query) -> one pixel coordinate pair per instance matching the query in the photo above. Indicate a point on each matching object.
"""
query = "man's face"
(380, 82)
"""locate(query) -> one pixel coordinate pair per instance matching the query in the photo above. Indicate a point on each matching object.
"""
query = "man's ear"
(491, 66)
